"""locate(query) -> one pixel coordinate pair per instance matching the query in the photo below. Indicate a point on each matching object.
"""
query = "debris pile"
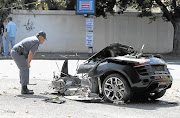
(72, 87)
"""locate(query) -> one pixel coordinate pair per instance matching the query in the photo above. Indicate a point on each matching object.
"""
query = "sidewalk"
(78, 56)
(56, 56)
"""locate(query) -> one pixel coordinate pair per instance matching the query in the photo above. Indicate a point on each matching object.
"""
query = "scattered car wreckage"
(117, 73)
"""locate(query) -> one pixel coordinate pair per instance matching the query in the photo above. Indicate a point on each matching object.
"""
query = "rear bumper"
(153, 83)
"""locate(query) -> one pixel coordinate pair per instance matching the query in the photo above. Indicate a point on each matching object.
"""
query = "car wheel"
(154, 96)
(115, 88)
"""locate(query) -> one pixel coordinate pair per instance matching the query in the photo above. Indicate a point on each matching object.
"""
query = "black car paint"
(103, 62)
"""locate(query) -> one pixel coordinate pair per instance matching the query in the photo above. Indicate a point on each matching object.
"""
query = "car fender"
(106, 67)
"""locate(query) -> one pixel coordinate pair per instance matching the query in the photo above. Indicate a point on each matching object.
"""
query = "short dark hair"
(10, 18)
(41, 33)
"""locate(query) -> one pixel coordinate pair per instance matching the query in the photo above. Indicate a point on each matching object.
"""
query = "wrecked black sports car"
(120, 73)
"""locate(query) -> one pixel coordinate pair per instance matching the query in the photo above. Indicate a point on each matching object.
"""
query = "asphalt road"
(15, 105)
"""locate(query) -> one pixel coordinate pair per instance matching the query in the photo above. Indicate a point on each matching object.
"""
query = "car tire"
(157, 95)
(116, 89)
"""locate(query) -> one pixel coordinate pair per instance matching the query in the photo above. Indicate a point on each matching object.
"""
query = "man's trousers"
(9, 40)
(21, 62)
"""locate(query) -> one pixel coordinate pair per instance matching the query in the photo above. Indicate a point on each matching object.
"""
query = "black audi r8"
(120, 73)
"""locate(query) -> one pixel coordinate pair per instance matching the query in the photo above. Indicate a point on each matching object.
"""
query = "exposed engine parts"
(62, 84)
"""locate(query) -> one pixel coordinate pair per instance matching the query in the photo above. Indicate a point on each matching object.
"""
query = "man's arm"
(7, 30)
(30, 56)
(2, 29)
(6, 35)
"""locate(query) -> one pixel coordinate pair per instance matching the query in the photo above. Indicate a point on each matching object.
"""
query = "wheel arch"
(123, 74)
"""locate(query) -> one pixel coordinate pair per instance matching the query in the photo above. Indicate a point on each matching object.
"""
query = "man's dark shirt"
(2, 28)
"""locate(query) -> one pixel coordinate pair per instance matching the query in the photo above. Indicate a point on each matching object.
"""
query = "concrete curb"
(77, 56)
(55, 56)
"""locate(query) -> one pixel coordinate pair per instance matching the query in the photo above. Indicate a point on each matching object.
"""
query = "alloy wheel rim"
(114, 89)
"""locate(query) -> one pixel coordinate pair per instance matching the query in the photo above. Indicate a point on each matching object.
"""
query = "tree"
(170, 12)
(70, 4)
(28, 6)
(54, 4)
(6, 7)
(103, 6)
(4, 10)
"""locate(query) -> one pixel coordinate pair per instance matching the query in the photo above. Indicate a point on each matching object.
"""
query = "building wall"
(66, 31)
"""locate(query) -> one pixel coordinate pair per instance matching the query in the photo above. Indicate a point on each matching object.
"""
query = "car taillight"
(140, 64)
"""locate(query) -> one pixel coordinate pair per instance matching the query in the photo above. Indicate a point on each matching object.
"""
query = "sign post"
(89, 35)
(87, 7)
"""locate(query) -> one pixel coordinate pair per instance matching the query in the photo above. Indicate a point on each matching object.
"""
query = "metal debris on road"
(5, 92)
(54, 100)
(119, 102)
(45, 93)
(83, 98)
(9, 111)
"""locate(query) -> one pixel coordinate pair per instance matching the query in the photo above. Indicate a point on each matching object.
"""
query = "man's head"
(41, 36)
(9, 19)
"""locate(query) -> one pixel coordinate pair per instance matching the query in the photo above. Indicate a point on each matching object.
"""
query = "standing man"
(10, 35)
(1, 39)
(22, 53)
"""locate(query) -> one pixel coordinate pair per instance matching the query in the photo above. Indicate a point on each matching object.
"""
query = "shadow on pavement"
(33, 96)
(147, 105)
(45, 99)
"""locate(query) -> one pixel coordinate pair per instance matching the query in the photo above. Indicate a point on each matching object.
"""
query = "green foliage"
(169, 8)
(7, 5)
(70, 4)
(103, 6)
(144, 6)
(29, 6)
(5, 9)
(54, 4)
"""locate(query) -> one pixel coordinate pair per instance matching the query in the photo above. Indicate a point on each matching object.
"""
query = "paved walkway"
(56, 56)
(77, 56)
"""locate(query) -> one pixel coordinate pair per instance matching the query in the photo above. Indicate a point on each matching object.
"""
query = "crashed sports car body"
(120, 73)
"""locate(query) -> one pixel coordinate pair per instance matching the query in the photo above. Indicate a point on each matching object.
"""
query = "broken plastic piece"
(54, 100)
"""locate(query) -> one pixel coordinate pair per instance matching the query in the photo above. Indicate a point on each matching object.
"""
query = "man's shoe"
(25, 90)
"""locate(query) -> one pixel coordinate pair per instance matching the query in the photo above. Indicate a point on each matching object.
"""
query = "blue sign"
(85, 7)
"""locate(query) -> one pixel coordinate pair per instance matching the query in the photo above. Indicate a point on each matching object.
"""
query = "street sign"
(85, 7)
(89, 24)
(89, 39)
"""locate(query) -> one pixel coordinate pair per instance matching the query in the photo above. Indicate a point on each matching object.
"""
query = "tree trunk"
(176, 39)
